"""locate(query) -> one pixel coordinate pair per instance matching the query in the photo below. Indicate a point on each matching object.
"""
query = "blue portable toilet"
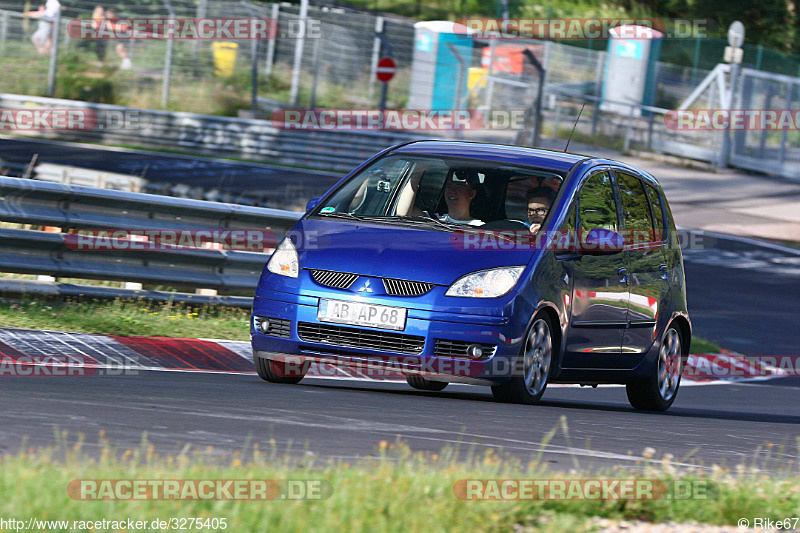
(435, 68)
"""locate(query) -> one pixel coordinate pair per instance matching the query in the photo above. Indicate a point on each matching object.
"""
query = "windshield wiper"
(416, 220)
(428, 221)
(424, 220)
(346, 216)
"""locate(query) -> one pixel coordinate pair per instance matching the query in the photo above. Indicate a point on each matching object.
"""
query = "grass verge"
(396, 491)
(127, 317)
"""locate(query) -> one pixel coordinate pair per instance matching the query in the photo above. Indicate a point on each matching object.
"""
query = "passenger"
(539, 201)
(459, 196)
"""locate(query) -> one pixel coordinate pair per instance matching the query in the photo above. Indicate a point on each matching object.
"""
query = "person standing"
(42, 38)
(120, 48)
(98, 15)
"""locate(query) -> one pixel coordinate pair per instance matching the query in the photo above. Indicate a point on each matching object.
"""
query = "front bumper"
(505, 333)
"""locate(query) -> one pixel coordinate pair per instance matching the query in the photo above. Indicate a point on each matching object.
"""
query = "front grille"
(360, 338)
(275, 327)
(394, 287)
(448, 348)
(401, 287)
(337, 280)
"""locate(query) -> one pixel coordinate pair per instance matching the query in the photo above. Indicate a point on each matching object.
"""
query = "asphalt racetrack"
(741, 295)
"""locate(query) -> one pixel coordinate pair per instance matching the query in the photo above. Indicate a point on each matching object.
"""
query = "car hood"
(391, 251)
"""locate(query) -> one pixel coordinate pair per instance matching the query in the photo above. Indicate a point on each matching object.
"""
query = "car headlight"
(486, 283)
(284, 260)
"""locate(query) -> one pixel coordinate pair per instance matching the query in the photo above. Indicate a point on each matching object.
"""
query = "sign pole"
(384, 72)
(734, 55)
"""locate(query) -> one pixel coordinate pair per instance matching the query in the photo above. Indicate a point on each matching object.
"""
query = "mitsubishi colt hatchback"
(459, 262)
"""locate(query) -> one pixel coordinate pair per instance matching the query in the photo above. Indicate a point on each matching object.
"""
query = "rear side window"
(635, 208)
(596, 206)
(658, 212)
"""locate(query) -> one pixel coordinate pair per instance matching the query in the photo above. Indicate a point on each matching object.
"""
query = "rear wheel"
(280, 372)
(658, 391)
(418, 382)
(529, 381)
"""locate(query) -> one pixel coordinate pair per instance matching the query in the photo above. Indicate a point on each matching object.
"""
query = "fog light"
(261, 324)
(474, 351)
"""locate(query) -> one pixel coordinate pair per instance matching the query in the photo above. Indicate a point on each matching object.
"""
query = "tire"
(533, 365)
(658, 391)
(420, 383)
(276, 371)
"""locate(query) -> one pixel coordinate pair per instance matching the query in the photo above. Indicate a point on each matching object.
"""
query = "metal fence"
(330, 63)
(328, 55)
(775, 151)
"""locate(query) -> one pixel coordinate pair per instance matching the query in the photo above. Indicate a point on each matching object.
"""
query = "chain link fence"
(337, 53)
(326, 59)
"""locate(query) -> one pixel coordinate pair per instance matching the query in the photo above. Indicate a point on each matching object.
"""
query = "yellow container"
(476, 76)
(224, 58)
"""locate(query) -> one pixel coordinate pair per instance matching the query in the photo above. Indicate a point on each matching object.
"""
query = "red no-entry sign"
(385, 70)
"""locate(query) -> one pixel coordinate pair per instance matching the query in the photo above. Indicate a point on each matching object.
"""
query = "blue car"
(460, 262)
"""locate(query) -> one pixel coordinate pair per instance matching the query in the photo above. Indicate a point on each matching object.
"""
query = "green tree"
(768, 22)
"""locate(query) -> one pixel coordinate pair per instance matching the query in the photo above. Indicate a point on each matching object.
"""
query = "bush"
(79, 80)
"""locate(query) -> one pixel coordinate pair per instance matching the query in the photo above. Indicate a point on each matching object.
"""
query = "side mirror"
(314, 202)
(601, 241)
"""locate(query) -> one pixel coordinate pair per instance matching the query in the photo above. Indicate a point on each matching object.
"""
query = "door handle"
(623, 275)
(664, 271)
(568, 256)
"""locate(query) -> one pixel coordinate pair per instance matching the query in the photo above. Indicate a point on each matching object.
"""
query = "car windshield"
(445, 192)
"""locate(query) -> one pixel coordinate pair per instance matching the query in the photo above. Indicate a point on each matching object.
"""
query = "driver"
(459, 191)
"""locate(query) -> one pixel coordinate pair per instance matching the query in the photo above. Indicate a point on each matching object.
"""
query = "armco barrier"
(33, 202)
(221, 136)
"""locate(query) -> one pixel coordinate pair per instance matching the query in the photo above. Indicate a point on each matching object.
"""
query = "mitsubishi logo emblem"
(365, 288)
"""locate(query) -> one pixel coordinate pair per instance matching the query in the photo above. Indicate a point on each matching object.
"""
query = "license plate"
(361, 314)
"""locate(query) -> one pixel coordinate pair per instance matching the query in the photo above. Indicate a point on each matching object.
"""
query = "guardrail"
(67, 207)
(206, 134)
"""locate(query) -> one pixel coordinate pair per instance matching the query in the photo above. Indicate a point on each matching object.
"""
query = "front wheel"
(279, 371)
(658, 391)
(420, 383)
(533, 367)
